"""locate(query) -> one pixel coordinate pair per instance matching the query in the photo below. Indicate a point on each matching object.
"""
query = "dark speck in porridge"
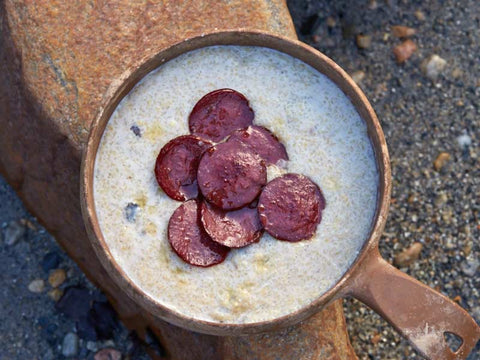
(131, 212)
(136, 130)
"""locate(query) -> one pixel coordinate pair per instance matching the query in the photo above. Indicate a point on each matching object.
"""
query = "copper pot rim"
(121, 86)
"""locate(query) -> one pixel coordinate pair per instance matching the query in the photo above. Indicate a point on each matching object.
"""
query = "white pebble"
(36, 286)
(464, 141)
(433, 66)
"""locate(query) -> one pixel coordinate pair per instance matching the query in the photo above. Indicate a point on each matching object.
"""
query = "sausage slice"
(290, 207)
(231, 175)
(235, 229)
(177, 164)
(219, 113)
(263, 142)
(190, 241)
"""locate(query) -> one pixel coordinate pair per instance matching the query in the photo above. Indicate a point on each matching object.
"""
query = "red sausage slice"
(234, 229)
(263, 142)
(177, 164)
(190, 241)
(290, 207)
(231, 175)
(219, 113)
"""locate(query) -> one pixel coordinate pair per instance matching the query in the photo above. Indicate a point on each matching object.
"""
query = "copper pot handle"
(419, 313)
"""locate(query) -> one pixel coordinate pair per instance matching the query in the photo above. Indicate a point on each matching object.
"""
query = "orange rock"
(55, 294)
(376, 338)
(57, 277)
(401, 31)
(363, 41)
(409, 255)
(442, 159)
(403, 51)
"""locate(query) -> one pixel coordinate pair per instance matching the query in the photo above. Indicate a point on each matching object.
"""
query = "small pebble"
(464, 141)
(55, 294)
(433, 66)
(28, 224)
(363, 41)
(409, 255)
(358, 76)
(92, 346)
(108, 354)
(467, 249)
(36, 286)
(470, 267)
(412, 198)
(442, 159)
(404, 51)
(440, 199)
(376, 338)
(456, 73)
(331, 22)
(107, 344)
(372, 4)
(420, 15)
(316, 38)
(57, 277)
(50, 261)
(70, 345)
(13, 232)
(401, 31)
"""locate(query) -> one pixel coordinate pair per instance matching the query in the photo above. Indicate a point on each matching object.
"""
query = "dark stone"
(99, 296)
(48, 329)
(133, 344)
(51, 328)
(50, 261)
(94, 319)
(309, 26)
(104, 319)
(86, 329)
(83, 353)
(75, 302)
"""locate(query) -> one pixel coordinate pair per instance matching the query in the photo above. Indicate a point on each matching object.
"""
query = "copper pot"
(419, 313)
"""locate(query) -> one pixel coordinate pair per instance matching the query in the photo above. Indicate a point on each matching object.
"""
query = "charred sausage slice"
(219, 113)
(235, 229)
(177, 164)
(190, 241)
(263, 142)
(290, 207)
(231, 175)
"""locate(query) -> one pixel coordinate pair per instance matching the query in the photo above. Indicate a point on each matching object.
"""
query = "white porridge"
(326, 140)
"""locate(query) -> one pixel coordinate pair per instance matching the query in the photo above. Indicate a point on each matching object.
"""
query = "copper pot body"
(416, 311)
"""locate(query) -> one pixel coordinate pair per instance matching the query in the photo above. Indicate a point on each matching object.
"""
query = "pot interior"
(109, 256)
